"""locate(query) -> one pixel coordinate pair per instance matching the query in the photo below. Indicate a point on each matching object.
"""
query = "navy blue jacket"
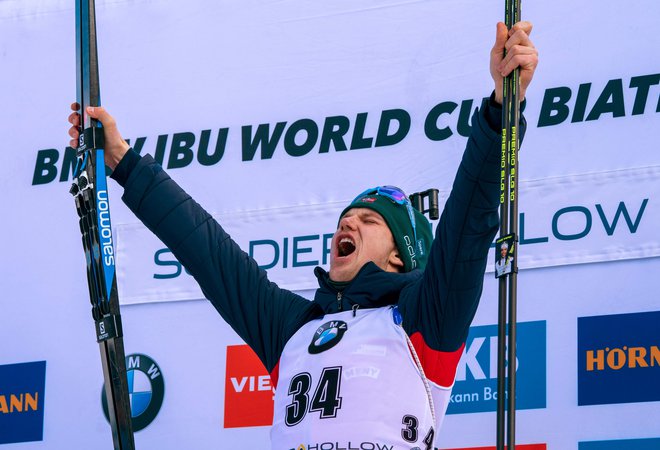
(437, 304)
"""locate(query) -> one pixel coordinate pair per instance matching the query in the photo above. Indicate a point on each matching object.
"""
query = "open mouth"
(345, 247)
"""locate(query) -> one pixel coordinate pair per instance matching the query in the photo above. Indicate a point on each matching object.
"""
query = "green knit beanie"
(413, 254)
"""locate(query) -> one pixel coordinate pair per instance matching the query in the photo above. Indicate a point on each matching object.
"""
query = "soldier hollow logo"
(366, 445)
(327, 336)
(475, 389)
(146, 390)
(22, 402)
(621, 444)
(619, 358)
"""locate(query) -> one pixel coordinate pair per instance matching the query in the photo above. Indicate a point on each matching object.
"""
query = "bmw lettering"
(327, 336)
(146, 390)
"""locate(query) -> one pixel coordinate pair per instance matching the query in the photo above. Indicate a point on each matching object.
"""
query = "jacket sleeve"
(262, 314)
(437, 310)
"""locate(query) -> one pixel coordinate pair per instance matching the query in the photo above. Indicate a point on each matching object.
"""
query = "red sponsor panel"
(518, 447)
(248, 390)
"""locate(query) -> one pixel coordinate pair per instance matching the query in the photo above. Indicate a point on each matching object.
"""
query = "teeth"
(349, 240)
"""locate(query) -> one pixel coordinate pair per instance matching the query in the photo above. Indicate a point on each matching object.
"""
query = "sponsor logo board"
(475, 389)
(248, 390)
(22, 402)
(146, 390)
(619, 358)
(621, 444)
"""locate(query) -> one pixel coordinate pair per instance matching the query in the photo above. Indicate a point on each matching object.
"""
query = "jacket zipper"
(339, 301)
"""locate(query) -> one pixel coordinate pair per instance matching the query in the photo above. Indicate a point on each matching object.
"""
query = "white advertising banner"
(288, 243)
(575, 219)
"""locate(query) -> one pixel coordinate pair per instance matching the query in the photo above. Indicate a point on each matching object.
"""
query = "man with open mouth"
(370, 362)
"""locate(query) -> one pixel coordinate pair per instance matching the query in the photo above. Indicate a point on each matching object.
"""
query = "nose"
(347, 223)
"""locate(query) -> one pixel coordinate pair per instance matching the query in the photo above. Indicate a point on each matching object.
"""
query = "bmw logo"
(327, 336)
(146, 390)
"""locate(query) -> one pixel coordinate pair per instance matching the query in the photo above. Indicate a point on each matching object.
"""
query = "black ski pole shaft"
(507, 289)
(92, 204)
(502, 285)
(513, 211)
(501, 361)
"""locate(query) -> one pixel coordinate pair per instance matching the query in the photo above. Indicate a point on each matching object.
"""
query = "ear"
(395, 261)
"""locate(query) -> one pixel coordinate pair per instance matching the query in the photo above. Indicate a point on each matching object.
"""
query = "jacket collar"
(372, 287)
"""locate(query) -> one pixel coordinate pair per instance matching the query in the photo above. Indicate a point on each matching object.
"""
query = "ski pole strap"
(108, 327)
(90, 138)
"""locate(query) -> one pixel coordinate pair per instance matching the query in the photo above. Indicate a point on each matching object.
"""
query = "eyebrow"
(364, 213)
(368, 213)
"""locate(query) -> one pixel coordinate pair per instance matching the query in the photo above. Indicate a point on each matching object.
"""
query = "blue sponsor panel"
(619, 358)
(22, 402)
(622, 444)
(475, 389)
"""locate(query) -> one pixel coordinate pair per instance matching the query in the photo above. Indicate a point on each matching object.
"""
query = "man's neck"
(338, 285)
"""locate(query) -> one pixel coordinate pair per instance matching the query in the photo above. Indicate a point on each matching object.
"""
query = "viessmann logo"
(22, 402)
(619, 358)
(475, 389)
(248, 390)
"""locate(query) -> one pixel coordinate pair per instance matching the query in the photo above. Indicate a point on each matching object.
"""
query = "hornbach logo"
(626, 357)
(341, 133)
(22, 402)
(619, 358)
(19, 402)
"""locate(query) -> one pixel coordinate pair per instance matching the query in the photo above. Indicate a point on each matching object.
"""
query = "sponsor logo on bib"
(327, 336)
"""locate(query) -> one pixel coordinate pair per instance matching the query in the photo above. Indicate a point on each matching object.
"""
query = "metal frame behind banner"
(92, 205)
